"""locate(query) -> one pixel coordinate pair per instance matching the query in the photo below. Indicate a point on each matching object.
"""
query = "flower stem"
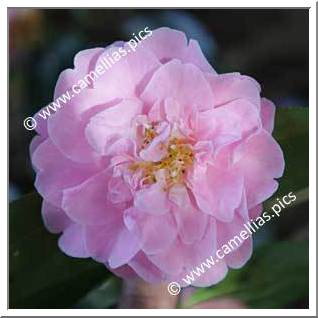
(139, 294)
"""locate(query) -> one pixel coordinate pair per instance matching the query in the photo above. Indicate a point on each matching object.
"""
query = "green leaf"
(292, 133)
(276, 276)
(41, 276)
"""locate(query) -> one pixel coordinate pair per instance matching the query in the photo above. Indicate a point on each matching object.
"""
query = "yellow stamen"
(179, 157)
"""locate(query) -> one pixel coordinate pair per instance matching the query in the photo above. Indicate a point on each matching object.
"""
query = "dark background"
(271, 45)
(268, 44)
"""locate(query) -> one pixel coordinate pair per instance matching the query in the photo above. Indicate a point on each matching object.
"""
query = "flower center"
(178, 158)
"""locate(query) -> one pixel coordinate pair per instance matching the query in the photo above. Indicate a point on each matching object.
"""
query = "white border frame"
(312, 161)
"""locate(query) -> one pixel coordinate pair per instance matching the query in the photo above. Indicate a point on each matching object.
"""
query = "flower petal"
(72, 242)
(124, 248)
(115, 122)
(183, 82)
(229, 234)
(193, 54)
(217, 192)
(267, 114)
(231, 86)
(145, 269)
(260, 160)
(87, 203)
(155, 232)
(165, 43)
(181, 258)
(56, 173)
(229, 123)
(152, 199)
(54, 218)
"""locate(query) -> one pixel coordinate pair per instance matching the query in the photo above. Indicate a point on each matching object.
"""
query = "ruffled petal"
(231, 86)
(127, 74)
(124, 248)
(165, 43)
(152, 199)
(183, 82)
(229, 123)
(217, 192)
(155, 232)
(267, 114)
(229, 235)
(260, 160)
(72, 241)
(54, 218)
(87, 203)
(100, 238)
(145, 269)
(193, 54)
(181, 258)
(111, 242)
(56, 173)
(109, 125)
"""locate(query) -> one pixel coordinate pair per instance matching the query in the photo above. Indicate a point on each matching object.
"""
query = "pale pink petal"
(170, 261)
(126, 77)
(122, 146)
(255, 211)
(193, 54)
(239, 257)
(87, 203)
(204, 152)
(147, 228)
(241, 246)
(67, 131)
(118, 191)
(260, 160)
(145, 269)
(191, 222)
(152, 199)
(100, 238)
(72, 242)
(173, 110)
(108, 126)
(211, 276)
(41, 123)
(66, 125)
(111, 242)
(228, 123)
(165, 43)
(267, 114)
(56, 173)
(217, 192)
(35, 142)
(231, 86)
(84, 62)
(183, 82)
(198, 260)
(181, 258)
(125, 272)
(54, 218)
(124, 248)
(156, 112)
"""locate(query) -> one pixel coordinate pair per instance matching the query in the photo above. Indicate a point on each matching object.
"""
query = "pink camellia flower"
(158, 163)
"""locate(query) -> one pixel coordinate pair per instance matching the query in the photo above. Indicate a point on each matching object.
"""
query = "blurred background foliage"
(270, 45)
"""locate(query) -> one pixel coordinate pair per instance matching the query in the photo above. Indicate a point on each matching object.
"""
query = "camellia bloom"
(158, 163)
